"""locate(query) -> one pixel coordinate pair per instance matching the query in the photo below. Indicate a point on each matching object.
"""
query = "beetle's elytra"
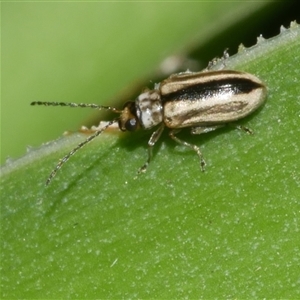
(203, 101)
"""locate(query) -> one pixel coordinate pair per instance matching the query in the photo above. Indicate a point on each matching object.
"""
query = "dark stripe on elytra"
(212, 88)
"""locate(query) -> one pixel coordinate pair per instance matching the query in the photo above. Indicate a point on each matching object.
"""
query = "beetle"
(203, 101)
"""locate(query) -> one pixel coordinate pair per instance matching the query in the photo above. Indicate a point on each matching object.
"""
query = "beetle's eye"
(131, 124)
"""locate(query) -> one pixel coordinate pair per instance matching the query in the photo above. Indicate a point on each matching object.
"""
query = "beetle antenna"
(71, 104)
(79, 146)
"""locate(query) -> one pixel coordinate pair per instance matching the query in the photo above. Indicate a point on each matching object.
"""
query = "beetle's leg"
(153, 139)
(204, 129)
(241, 127)
(173, 136)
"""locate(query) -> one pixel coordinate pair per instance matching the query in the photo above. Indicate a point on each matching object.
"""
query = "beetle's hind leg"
(205, 129)
(173, 136)
(241, 127)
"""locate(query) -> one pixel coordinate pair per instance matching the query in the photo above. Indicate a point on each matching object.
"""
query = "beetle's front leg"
(173, 136)
(153, 139)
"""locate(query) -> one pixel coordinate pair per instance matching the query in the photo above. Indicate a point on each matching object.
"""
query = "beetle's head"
(128, 120)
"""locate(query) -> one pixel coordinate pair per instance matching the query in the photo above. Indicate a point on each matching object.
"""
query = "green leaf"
(98, 231)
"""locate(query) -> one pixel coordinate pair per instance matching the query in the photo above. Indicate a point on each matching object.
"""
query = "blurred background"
(105, 53)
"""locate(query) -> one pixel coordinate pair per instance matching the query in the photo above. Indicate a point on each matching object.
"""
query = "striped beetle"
(203, 101)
